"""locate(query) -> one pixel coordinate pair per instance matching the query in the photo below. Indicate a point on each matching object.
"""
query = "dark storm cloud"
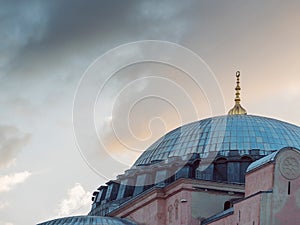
(73, 20)
(21, 24)
(47, 34)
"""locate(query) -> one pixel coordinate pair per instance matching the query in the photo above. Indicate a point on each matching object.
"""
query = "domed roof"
(88, 220)
(221, 135)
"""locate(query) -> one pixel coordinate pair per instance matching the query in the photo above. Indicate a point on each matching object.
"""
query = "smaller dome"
(89, 220)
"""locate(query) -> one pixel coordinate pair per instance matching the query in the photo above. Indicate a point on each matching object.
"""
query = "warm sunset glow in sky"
(46, 47)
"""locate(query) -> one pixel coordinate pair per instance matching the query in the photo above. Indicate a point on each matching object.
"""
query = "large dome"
(223, 135)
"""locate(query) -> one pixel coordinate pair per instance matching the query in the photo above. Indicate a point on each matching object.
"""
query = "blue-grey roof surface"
(223, 134)
(265, 160)
(262, 161)
(88, 220)
(218, 216)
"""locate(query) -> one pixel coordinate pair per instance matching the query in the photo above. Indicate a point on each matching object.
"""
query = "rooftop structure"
(209, 172)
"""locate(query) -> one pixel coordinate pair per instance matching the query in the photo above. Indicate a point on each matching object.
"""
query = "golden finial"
(237, 109)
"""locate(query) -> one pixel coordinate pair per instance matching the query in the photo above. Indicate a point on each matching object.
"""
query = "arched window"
(245, 162)
(220, 169)
(227, 205)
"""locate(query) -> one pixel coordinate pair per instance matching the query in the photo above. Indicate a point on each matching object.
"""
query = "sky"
(87, 86)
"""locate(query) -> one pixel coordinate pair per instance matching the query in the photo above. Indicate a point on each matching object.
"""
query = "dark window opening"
(227, 205)
(289, 188)
(245, 162)
(220, 170)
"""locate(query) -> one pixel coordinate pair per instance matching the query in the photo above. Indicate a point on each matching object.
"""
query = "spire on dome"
(237, 109)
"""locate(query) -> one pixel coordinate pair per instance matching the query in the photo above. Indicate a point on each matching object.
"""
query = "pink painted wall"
(160, 211)
(181, 203)
(246, 212)
(289, 214)
(285, 203)
(259, 180)
(182, 200)
(171, 206)
(154, 213)
(281, 206)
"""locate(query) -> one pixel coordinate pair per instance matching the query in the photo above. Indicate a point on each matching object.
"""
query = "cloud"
(3, 205)
(77, 201)
(5, 223)
(21, 23)
(11, 143)
(8, 182)
(47, 34)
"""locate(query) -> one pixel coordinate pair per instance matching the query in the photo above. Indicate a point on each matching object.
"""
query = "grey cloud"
(65, 33)
(72, 20)
(62, 31)
(11, 143)
(21, 23)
